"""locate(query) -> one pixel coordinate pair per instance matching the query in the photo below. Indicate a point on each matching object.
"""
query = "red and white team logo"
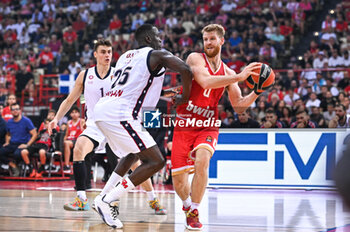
(125, 183)
(91, 77)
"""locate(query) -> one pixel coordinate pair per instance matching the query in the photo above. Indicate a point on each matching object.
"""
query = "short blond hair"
(214, 27)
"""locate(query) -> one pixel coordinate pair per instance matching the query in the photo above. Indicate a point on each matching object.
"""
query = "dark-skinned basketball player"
(137, 84)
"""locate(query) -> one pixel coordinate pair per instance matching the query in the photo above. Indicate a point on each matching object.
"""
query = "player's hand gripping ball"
(263, 80)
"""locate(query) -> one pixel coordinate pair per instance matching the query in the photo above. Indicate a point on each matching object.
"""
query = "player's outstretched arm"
(68, 102)
(161, 59)
(171, 92)
(207, 81)
(239, 103)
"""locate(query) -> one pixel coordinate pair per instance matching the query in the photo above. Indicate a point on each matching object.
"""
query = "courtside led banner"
(277, 158)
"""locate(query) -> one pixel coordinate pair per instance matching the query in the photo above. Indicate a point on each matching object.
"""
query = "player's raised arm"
(207, 81)
(161, 59)
(68, 102)
(239, 103)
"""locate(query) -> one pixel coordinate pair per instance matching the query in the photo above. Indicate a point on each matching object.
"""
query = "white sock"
(82, 195)
(194, 206)
(187, 203)
(151, 195)
(111, 183)
(117, 192)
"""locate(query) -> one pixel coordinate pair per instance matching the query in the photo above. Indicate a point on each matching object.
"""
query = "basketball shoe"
(108, 211)
(77, 205)
(39, 175)
(192, 220)
(32, 173)
(93, 206)
(40, 172)
(158, 209)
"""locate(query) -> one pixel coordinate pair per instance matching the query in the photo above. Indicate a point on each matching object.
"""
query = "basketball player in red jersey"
(197, 126)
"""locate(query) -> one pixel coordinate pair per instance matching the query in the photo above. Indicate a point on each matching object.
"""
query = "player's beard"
(213, 52)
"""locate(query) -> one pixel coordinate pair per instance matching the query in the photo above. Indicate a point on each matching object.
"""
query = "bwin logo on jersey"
(151, 118)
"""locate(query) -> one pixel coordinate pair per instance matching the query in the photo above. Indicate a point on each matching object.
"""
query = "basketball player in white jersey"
(93, 83)
(137, 84)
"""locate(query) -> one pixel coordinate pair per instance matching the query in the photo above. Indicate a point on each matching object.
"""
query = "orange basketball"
(264, 78)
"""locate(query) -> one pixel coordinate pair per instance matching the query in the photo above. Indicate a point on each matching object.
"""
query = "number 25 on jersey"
(121, 76)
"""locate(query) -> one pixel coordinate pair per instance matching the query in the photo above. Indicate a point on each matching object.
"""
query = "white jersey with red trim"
(133, 87)
(94, 88)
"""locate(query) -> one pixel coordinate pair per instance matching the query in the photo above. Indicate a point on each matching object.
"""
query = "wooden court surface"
(221, 210)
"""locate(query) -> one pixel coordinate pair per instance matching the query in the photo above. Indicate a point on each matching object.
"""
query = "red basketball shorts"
(186, 142)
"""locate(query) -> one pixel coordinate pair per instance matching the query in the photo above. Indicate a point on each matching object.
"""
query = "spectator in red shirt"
(11, 64)
(10, 37)
(287, 31)
(70, 43)
(45, 59)
(186, 41)
(236, 64)
(202, 9)
(6, 112)
(75, 127)
(277, 92)
(79, 26)
(50, 116)
(41, 146)
(70, 36)
(115, 25)
(341, 26)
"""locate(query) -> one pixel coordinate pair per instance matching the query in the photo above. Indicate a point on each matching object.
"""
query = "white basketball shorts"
(94, 133)
(125, 137)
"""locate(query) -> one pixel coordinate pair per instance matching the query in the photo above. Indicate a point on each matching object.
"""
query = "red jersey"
(203, 103)
(70, 37)
(46, 57)
(6, 113)
(115, 25)
(74, 130)
(44, 136)
(42, 127)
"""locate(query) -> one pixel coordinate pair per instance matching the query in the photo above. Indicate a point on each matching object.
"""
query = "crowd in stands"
(316, 89)
(57, 35)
